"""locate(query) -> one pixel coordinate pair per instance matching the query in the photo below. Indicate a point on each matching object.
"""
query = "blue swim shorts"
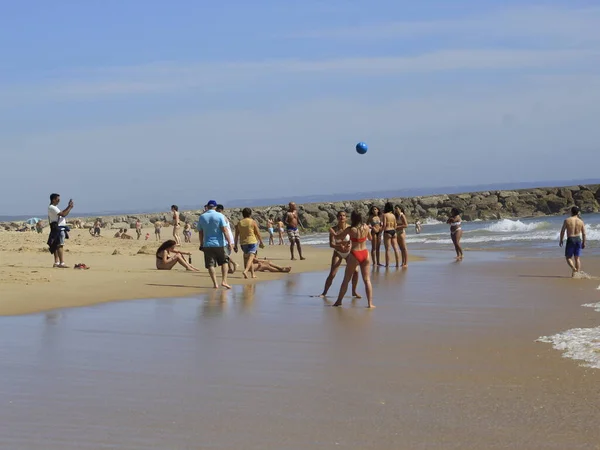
(573, 247)
(249, 248)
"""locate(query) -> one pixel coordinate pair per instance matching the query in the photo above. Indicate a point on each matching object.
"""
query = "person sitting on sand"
(119, 233)
(39, 226)
(264, 265)
(575, 229)
(167, 257)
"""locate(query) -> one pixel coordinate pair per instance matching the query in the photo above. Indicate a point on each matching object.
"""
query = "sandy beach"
(448, 360)
(29, 283)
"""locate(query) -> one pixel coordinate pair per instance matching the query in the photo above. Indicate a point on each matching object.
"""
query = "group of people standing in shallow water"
(348, 242)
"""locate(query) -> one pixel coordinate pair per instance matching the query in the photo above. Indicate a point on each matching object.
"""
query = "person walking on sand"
(575, 229)
(389, 233)
(212, 231)
(58, 229)
(341, 250)
(157, 227)
(374, 222)
(359, 233)
(231, 264)
(292, 221)
(176, 224)
(167, 257)
(138, 229)
(270, 225)
(455, 223)
(247, 234)
(401, 226)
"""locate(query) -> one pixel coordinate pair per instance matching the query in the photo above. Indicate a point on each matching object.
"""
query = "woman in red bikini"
(359, 232)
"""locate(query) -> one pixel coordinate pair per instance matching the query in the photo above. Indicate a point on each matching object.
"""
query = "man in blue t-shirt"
(212, 230)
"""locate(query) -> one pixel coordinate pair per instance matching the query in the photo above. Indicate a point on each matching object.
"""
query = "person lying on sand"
(264, 265)
(167, 257)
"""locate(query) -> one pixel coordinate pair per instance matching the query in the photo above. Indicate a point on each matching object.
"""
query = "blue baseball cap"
(212, 204)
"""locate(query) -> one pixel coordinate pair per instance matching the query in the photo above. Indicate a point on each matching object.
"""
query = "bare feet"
(322, 295)
(371, 306)
(245, 274)
(356, 295)
(216, 286)
(287, 269)
(293, 259)
(254, 276)
(338, 303)
(225, 285)
(404, 266)
(302, 258)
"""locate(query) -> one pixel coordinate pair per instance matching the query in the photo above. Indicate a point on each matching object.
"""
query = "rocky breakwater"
(488, 205)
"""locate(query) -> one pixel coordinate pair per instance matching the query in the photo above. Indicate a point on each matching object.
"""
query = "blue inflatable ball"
(361, 148)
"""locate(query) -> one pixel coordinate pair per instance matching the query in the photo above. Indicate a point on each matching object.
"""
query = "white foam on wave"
(596, 306)
(430, 221)
(511, 226)
(581, 344)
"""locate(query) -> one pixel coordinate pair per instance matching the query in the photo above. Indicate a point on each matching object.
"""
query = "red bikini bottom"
(360, 255)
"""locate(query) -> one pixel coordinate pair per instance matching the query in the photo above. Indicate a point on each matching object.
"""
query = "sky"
(127, 105)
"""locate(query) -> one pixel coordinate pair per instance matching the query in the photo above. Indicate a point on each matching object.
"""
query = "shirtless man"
(575, 229)
(176, 224)
(292, 221)
(138, 228)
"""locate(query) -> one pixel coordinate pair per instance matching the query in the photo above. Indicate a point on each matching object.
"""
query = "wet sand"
(448, 360)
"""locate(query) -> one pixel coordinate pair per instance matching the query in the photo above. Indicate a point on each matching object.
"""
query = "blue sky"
(135, 104)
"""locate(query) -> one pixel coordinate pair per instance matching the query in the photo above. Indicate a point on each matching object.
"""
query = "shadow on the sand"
(175, 285)
(543, 276)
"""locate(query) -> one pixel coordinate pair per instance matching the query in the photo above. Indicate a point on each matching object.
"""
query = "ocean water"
(580, 344)
(540, 233)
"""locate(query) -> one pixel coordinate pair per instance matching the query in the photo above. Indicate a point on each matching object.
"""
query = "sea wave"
(430, 221)
(581, 344)
(511, 226)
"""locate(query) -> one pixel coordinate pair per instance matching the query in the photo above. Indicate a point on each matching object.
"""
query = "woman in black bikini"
(456, 232)
(389, 233)
(167, 257)
(374, 221)
(401, 226)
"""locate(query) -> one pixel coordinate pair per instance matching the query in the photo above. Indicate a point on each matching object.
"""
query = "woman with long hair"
(401, 226)
(359, 233)
(341, 250)
(455, 223)
(167, 257)
(389, 233)
(374, 222)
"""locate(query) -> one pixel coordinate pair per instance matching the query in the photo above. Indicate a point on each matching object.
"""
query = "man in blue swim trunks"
(575, 229)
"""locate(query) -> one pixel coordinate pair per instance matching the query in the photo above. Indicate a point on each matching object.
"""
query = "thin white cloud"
(564, 25)
(207, 77)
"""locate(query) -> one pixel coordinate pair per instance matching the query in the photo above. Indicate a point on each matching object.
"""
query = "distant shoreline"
(482, 205)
